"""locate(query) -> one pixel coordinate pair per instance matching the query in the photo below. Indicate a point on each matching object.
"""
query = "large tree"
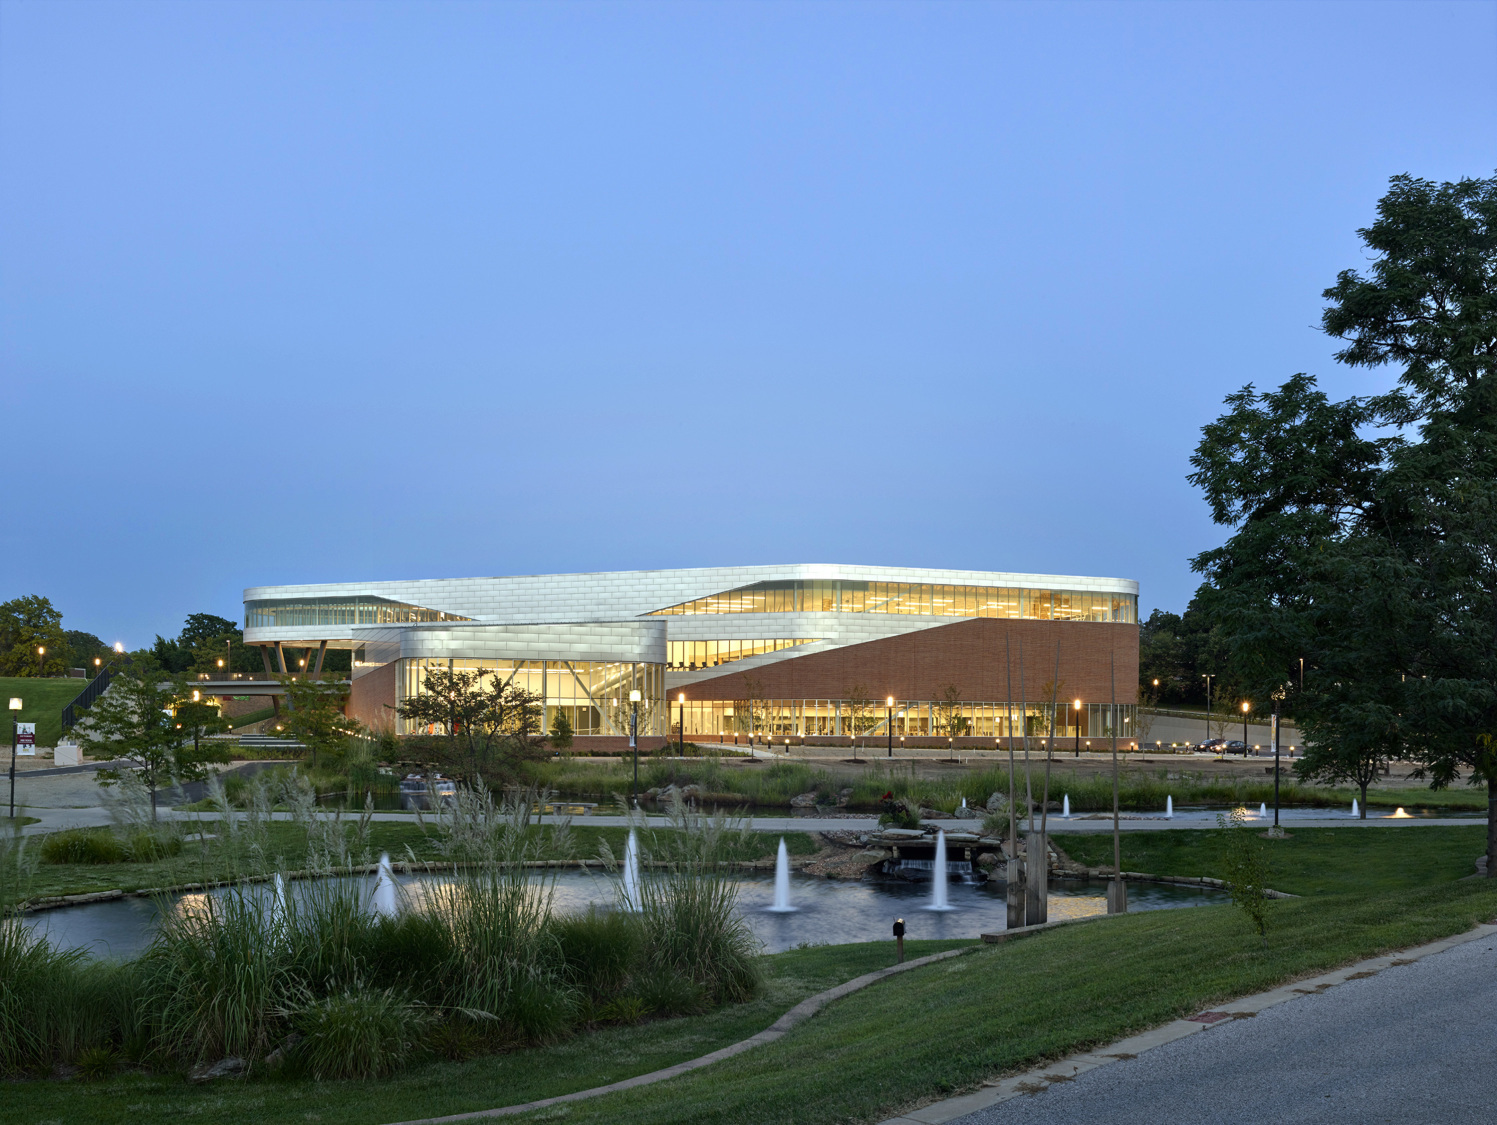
(314, 715)
(1365, 536)
(136, 721)
(489, 721)
(26, 624)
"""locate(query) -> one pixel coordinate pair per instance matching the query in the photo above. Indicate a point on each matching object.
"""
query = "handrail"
(85, 698)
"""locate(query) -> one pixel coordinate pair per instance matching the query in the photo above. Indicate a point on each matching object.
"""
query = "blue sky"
(319, 292)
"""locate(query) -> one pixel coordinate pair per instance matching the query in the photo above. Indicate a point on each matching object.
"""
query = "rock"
(843, 797)
(1481, 865)
(230, 1067)
(691, 791)
(997, 802)
(988, 860)
(804, 801)
(278, 1056)
(652, 792)
(935, 814)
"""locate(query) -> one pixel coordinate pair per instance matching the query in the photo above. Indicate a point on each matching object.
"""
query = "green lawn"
(1310, 861)
(288, 849)
(43, 701)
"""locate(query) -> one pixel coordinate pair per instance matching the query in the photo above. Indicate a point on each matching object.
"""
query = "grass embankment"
(42, 703)
(250, 718)
(287, 847)
(1309, 861)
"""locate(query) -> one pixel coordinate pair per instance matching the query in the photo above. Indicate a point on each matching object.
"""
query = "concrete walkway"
(1407, 1037)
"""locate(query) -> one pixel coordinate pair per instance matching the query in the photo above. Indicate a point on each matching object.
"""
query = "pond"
(827, 911)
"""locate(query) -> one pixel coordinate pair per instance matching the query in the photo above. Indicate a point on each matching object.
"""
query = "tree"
(949, 713)
(26, 624)
(861, 711)
(1372, 553)
(135, 720)
(753, 708)
(84, 648)
(314, 715)
(561, 730)
(482, 716)
(197, 719)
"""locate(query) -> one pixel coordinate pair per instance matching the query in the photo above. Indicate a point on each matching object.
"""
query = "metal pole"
(1207, 677)
(1274, 722)
(1077, 754)
(13, 736)
(1244, 731)
(889, 720)
(634, 742)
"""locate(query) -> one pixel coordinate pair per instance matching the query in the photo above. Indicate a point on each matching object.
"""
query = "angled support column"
(321, 652)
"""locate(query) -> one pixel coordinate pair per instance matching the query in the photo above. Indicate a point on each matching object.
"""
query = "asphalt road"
(1412, 1044)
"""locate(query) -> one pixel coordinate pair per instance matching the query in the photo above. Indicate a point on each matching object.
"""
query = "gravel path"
(1414, 1043)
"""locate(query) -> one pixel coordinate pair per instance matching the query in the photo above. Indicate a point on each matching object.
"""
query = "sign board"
(25, 740)
(1273, 732)
(633, 732)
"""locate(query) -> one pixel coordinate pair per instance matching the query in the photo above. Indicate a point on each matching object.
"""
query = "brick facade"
(371, 697)
(971, 654)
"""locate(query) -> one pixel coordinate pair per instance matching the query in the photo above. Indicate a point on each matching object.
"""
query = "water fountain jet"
(631, 873)
(782, 881)
(385, 903)
(1065, 806)
(938, 876)
(1169, 808)
(1355, 811)
(1263, 810)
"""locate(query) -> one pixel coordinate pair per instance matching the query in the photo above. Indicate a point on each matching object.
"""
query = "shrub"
(599, 948)
(84, 845)
(96, 1062)
(362, 1033)
(54, 1004)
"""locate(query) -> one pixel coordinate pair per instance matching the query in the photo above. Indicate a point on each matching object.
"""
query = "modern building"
(800, 651)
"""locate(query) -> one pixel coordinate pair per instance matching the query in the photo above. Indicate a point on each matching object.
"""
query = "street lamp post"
(1207, 677)
(1246, 706)
(1077, 708)
(681, 704)
(41, 652)
(15, 737)
(634, 736)
(889, 721)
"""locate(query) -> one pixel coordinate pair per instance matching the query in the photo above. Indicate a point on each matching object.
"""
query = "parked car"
(1211, 745)
(1236, 746)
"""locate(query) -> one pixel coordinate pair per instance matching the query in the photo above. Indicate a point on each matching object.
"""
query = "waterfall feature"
(782, 881)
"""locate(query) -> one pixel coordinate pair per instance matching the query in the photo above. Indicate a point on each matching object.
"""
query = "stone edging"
(1064, 1070)
(795, 1016)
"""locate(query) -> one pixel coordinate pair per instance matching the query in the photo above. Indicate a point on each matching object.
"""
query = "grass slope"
(1310, 861)
(43, 701)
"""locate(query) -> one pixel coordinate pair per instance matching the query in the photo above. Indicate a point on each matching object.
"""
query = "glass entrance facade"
(593, 694)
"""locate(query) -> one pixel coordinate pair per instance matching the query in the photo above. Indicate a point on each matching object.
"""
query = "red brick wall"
(369, 695)
(970, 654)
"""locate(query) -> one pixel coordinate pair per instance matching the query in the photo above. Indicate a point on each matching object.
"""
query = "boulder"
(989, 860)
(231, 1067)
(935, 814)
(997, 802)
(803, 801)
(843, 796)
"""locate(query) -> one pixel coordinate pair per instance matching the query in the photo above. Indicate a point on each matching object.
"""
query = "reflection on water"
(826, 911)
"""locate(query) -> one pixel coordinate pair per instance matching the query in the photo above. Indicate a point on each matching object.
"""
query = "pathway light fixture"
(15, 737)
(681, 704)
(41, 652)
(1246, 707)
(1076, 707)
(889, 721)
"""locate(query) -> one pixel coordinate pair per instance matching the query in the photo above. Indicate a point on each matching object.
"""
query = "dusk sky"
(314, 292)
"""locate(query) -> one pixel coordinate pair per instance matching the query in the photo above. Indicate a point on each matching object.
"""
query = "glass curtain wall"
(926, 600)
(303, 613)
(593, 694)
(795, 718)
(692, 656)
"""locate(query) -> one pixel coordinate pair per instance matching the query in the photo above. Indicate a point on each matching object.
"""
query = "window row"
(779, 718)
(692, 656)
(923, 599)
(304, 613)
